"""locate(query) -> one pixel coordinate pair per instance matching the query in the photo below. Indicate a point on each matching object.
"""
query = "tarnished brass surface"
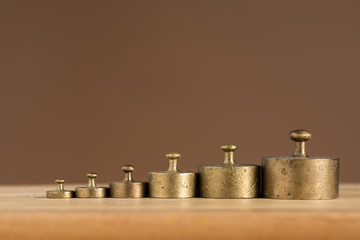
(128, 188)
(91, 191)
(300, 176)
(60, 192)
(229, 180)
(172, 183)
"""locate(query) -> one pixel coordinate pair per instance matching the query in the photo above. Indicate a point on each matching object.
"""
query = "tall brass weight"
(229, 180)
(300, 176)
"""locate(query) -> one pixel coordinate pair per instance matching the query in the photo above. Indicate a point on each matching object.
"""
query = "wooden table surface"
(25, 213)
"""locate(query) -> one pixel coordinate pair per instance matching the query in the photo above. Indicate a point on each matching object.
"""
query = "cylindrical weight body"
(172, 184)
(300, 177)
(60, 194)
(229, 181)
(128, 189)
(86, 192)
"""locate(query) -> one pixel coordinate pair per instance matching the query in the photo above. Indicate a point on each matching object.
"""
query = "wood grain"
(26, 214)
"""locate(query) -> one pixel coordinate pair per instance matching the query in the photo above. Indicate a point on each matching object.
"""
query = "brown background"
(90, 86)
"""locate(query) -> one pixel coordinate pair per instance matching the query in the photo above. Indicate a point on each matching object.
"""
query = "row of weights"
(295, 177)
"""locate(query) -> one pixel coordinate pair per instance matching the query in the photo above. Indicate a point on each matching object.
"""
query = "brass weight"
(229, 180)
(60, 192)
(91, 191)
(172, 183)
(128, 188)
(300, 176)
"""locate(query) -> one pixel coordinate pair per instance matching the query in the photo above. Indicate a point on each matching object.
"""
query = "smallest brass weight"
(60, 192)
(91, 191)
(128, 188)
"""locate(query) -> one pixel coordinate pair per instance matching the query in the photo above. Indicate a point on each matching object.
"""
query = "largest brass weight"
(300, 176)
